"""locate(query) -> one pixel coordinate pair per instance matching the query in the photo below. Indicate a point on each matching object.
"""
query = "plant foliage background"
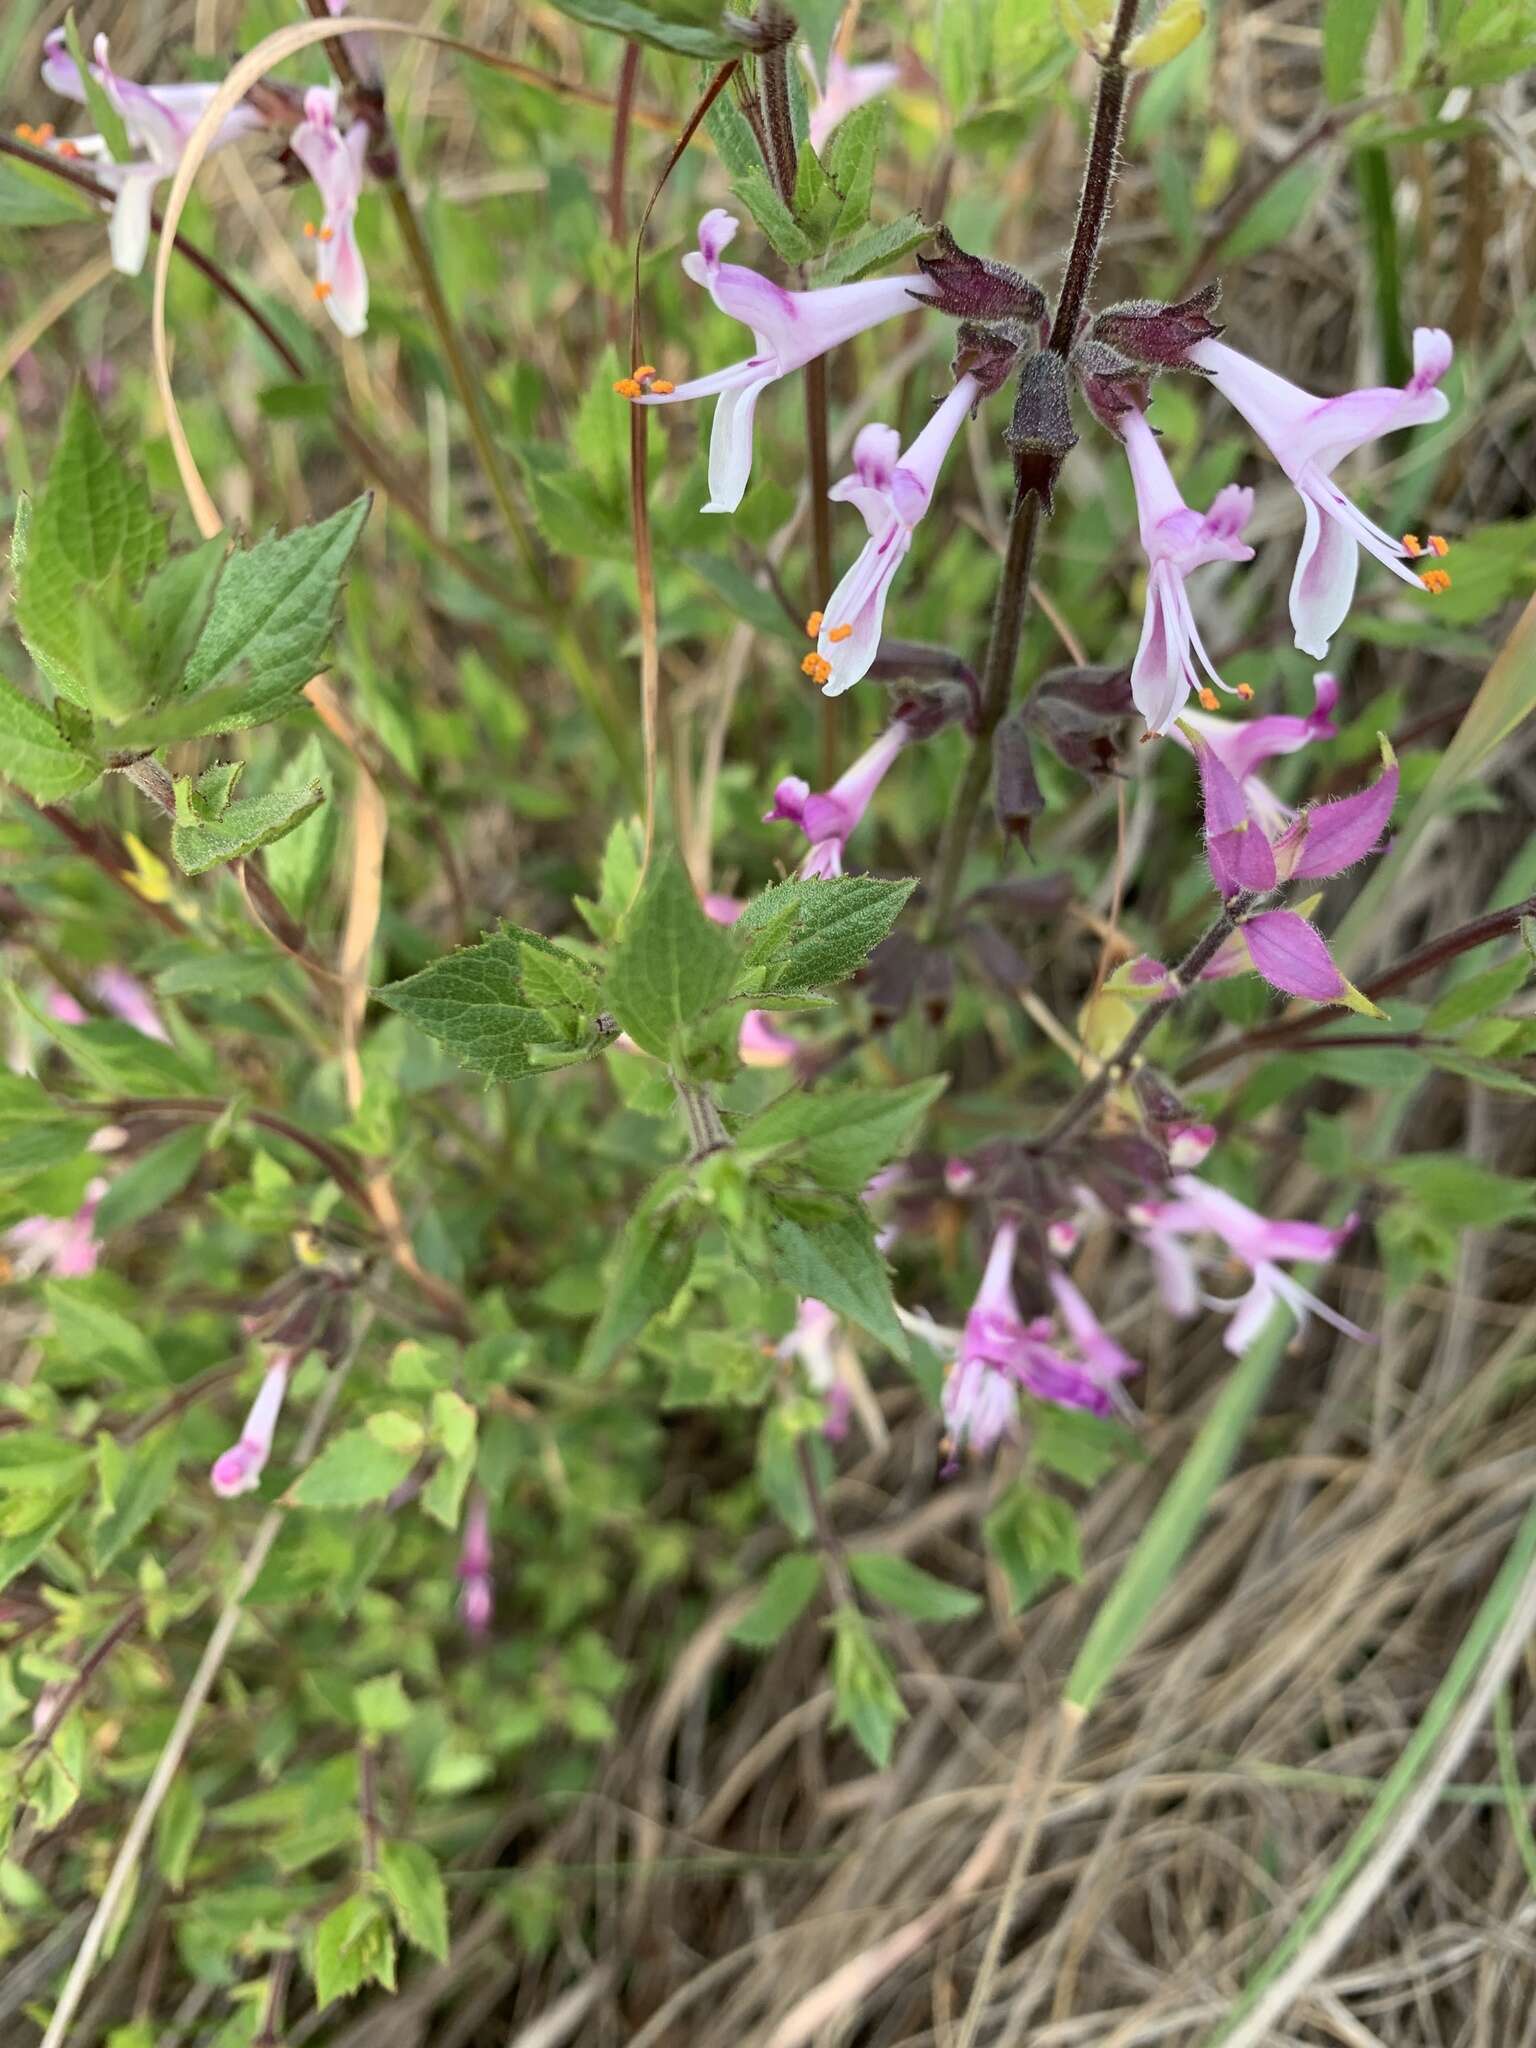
(563, 1671)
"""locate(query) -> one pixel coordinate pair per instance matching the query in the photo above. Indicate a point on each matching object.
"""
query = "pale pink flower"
(1309, 437)
(848, 87)
(335, 161)
(477, 1599)
(238, 1470)
(65, 1246)
(828, 817)
(1177, 540)
(817, 1344)
(789, 330)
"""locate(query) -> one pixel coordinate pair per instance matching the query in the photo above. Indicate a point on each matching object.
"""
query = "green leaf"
(1080, 1446)
(652, 1266)
(140, 1490)
(150, 1182)
(671, 962)
(748, 600)
(475, 1003)
(835, 1261)
(352, 1470)
(88, 1332)
(843, 1135)
(874, 249)
(179, 1824)
(817, 201)
(1457, 1191)
(784, 232)
(352, 1947)
(1270, 219)
(665, 28)
(271, 619)
(1034, 1537)
(299, 863)
(118, 1059)
(414, 1884)
(80, 556)
(731, 132)
(250, 822)
(1347, 26)
(782, 1598)
(1479, 996)
(35, 755)
(31, 197)
(864, 1692)
(839, 923)
(173, 610)
(852, 156)
(907, 1587)
(381, 1705)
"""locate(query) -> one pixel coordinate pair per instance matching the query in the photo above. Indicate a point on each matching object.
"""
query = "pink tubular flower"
(760, 1042)
(66, 1246)
(1177, 540)
(981, 1396)
(158, 120)
(477, 1599)
(335, 162)
(789, 329)
(1257, 1241)
(892, 491)
(828, 817)
(127, 998)
(1189, 1144)
(847, 88)
(1309, 437)
(238, 1470)
(1090, 1378)
(1322, 840)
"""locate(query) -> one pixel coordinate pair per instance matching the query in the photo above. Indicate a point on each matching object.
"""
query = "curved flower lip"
(159, 118)
(789, 330)
(828, 818)
(238, 1470)
(1309, 437)
(1244, 745)
(891, 493)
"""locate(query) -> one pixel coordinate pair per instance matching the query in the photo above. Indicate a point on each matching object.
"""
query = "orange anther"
(1413, 544)
(817, 667)
(327, 234)
(1209, 700)
(643, 370)
(1245, 691)
(841, 633)
(813, 623)
(45, 133)
(25, 132)
(322, 290)
(68, 149)
(309, 231)
(1438, 544)
(627, 388)
(662, 385)
(1436, 580)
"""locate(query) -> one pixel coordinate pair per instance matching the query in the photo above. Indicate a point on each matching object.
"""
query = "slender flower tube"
(1309, 437)
(981, 1395)
(789, 330)
(1088, 1374)
(848, 87)
(158, 120)
(892, 491)
(335, 162)
(828, 818)
(1258, 1242)
(1177, 540)
(239, 1469)
(477, 1599)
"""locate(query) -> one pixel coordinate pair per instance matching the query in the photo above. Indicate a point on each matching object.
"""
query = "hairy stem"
(1098, 183)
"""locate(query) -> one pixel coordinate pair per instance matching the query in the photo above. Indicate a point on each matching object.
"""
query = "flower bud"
(1041, 433)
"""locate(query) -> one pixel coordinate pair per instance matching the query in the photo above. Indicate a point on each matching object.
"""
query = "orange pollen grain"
(327, 234)
(309, 231)
(1209, 700)
(817, 667)
(1436, 580)
(25, 132)
(1413, 544)
(841, 633)
(45, 133)
(813, 623)
(322, 290)
(68, 149)
(1438, 544)
(662, 385)
(627, 388)
(1245, 691)
(644, 370)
